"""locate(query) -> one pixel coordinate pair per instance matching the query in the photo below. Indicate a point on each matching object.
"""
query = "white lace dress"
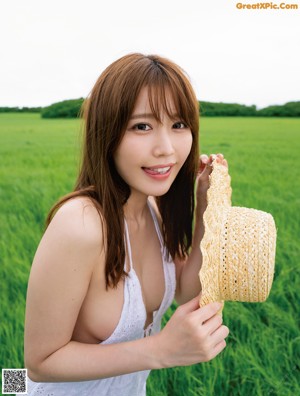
(130, 327)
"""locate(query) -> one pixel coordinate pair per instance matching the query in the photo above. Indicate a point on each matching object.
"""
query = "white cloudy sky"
(55, 49)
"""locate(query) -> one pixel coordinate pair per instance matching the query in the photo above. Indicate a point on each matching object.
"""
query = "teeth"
(161, 171)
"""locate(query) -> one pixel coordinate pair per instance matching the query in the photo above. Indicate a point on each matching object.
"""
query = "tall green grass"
(39, 160)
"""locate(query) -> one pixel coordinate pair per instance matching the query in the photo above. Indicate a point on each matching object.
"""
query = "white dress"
(130, 327)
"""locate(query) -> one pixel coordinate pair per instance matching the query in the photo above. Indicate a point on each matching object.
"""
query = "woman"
(120, 247)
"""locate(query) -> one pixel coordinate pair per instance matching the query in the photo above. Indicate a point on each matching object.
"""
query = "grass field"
(38, 164)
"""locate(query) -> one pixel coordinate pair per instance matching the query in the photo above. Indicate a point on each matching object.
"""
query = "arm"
(59, 280)
(77, 361)
(58, 283)
(192, 335)
(187, 272)
(188, 283)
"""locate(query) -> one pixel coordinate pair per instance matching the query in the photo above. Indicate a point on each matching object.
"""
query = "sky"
(55, 50)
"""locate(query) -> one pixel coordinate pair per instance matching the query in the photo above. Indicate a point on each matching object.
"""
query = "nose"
(163, 145)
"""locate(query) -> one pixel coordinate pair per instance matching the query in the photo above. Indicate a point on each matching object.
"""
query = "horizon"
(200, 101)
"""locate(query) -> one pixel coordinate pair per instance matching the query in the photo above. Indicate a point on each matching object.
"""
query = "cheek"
(125, 155)
(185, 146)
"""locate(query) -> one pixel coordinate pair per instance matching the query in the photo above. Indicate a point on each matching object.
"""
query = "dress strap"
(127, 244)
(156, 224)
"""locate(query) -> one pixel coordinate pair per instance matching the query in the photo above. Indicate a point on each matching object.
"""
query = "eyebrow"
(148, 115)
(142, 115)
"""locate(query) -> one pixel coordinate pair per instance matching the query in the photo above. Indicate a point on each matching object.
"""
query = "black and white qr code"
(14, 381)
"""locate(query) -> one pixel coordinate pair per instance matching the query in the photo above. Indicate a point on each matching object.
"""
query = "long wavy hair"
(106, 113)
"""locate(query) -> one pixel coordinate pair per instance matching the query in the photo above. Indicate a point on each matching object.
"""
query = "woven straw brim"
(238, 247)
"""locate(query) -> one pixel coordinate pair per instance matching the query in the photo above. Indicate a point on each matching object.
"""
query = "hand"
(205, 168)
(192, 335)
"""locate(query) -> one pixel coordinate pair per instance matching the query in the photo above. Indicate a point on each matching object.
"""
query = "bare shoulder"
(60, 276)
(78, 220)
(74, 238)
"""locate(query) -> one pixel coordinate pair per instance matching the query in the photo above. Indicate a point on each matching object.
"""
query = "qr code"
(14, 381)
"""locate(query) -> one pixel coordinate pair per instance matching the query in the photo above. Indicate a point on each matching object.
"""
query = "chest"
(101, 309)
(148, 265)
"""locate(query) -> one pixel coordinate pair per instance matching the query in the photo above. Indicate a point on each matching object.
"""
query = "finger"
(219, 348)
(190, 306)
(205, 166)
(212, 157)
(221, 160)
(219, 334)
(212, 324)
(205, 172)
(204, 158)
(207, 311)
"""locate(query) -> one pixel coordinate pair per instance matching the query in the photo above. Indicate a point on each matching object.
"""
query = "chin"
(158, 192)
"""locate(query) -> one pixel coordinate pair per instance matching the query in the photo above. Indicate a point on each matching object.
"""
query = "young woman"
(120, 247)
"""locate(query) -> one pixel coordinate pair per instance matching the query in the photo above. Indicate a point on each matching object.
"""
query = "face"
(151, 153)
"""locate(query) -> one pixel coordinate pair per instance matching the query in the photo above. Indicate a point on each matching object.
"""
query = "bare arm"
(191, 336)
(80, 362)
(188, 283)
(187, 280)
(59, 280)
(58, 283)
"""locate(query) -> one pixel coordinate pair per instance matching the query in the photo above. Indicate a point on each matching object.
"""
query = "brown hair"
(107, 112)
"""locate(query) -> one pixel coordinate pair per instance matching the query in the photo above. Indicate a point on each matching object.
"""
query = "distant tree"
(71, 109)
(20, 109)
(211, 109)
(290, 109)
(65, 109)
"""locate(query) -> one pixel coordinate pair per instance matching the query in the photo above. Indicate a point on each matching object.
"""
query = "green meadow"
(39, 160)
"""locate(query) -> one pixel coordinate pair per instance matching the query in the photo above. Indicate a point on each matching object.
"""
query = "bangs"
(168, 94)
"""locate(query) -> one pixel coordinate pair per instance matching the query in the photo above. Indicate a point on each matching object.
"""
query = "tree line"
(72, 109)
(20, 109)
(210, 109)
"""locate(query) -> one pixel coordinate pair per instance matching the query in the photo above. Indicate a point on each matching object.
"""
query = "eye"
(141, 127)
(179, 125)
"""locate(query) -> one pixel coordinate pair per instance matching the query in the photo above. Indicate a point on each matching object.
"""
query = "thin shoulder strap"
(127, 244)
(156, 224)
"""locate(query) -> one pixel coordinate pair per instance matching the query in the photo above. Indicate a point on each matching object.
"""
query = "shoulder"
(60, 276)
(79, 212)
(71, 245)
(77, 221)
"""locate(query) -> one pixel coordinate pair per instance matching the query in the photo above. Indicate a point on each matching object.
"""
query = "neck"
(135, 209)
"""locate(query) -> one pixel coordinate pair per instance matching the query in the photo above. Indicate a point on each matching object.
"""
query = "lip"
(159, 176)
(159, 166)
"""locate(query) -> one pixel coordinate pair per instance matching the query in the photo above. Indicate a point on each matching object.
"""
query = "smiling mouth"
(157, 171)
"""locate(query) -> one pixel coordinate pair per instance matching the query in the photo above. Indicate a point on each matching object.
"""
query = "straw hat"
(238, 246)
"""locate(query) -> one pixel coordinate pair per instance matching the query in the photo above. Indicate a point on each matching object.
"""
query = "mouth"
(158, 170)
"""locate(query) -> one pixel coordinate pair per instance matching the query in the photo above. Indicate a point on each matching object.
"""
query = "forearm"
(81, 362)
(190, 285)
